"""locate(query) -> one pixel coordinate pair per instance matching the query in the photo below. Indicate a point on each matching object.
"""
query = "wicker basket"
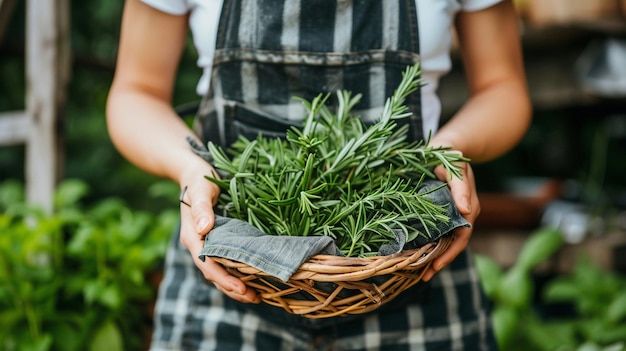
(329, 286)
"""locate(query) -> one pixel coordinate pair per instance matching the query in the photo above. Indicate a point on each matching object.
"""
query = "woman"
(255, 56)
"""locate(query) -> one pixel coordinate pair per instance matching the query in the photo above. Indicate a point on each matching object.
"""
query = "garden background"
(551, 239)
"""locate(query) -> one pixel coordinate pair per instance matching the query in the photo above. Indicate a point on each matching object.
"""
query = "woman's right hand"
(196, 222)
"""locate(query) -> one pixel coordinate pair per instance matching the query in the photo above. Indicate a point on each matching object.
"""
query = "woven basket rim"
(397, 272)
(331, 268)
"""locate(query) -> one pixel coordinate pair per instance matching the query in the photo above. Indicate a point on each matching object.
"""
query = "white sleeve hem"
(477, 5)
(180, 7)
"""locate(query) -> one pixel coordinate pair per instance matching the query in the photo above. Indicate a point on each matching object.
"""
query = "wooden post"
(47, 74)
(6, 10)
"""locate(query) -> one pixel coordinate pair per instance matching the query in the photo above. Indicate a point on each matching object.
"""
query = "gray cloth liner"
(281, 256)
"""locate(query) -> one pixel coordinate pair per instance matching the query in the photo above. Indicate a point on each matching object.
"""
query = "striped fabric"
(449, 314)
(269, 51)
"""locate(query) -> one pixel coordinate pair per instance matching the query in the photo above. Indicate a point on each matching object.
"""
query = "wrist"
(445, 139)
(191, 168)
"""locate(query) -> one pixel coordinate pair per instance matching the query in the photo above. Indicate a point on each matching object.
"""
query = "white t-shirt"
(435, 19)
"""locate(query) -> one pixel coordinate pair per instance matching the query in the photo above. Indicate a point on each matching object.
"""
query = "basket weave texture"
(328, 286)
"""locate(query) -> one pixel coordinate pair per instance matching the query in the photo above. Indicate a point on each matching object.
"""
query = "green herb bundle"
(337, 176)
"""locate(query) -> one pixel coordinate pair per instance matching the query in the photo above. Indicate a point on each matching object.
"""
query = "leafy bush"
(595, 297)
(598, 300)
(79, 278)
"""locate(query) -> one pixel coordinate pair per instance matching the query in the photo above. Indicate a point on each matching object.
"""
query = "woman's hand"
(466, 199)
(197, 220)
(497, 113)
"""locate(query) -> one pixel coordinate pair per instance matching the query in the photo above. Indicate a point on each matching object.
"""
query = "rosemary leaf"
(336, 176)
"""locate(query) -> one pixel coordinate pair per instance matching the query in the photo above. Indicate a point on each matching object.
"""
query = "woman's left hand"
(466, 199)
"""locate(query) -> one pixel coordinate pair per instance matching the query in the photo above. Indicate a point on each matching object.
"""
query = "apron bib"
(269, 51)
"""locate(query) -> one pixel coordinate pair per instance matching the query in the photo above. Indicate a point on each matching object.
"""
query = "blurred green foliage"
(593, 301)
(89, 153)
(79, 278)
(82, 277)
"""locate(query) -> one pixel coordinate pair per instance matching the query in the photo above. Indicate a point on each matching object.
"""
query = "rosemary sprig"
(337, 176)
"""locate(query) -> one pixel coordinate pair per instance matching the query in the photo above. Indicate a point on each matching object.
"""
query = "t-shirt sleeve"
(476, 5)
(173, 7)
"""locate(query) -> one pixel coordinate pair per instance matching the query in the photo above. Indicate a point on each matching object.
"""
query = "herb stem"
(337, 176)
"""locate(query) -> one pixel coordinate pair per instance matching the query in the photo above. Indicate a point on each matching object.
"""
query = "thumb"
(203, 216)
(461, 193)
(460, 188)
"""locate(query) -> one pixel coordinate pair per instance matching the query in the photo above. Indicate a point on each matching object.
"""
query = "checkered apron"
(267, 52)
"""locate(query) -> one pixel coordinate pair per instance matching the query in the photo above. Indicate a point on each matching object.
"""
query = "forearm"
(491, 122)
(498, 112)
(149, 134)
(141, 122)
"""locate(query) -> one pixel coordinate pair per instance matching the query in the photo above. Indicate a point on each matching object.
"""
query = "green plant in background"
(512, 291)
(598, 299)
(77, 279)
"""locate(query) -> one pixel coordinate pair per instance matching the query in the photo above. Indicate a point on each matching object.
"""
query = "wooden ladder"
(47, 71)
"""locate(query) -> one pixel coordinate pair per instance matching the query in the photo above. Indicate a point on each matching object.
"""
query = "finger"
(461, 240)
(249, 297)
(214, 272)
(228, 284)
(200, 201)
(466, 199)
(203, 216)
(460, 188)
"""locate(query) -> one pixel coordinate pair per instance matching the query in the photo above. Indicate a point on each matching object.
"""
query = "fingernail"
(238, 288)
(426, 277)
(464, 206)
(202, 224)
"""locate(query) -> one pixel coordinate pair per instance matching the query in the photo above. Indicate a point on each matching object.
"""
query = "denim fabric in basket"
(281, 256)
